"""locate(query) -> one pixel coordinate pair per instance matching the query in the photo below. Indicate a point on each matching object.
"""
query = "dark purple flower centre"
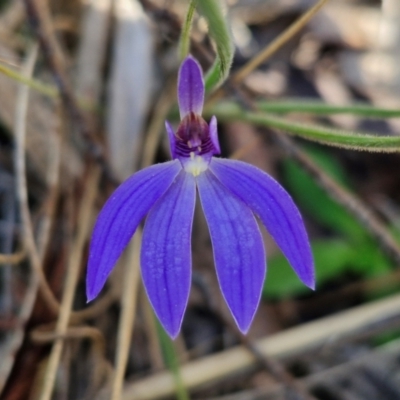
(193, 137)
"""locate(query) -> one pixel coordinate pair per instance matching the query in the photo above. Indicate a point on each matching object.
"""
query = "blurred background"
(85, 87)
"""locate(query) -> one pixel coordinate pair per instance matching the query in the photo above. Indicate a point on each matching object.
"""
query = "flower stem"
(319, 108)
(184, 40)
(219, 31)
(172, 362)
(325, 135)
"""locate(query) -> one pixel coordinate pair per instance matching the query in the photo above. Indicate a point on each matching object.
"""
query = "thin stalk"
(305, 106)
(71, 281)
(47, 90)
(172, 362)
(43, 88)
(184, 40)
(317, 133)
(128, 313)
(277, 43)
(219, 31)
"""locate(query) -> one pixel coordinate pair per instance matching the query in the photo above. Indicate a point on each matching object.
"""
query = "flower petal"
(214, 134)
(120, 217)
(238, 248)
(190, 87)
(166, 252)
(172, 138)
(275, 208)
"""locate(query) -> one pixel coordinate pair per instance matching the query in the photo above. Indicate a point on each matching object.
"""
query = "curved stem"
(184, 40)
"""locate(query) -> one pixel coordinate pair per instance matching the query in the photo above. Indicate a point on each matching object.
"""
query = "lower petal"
(166, 252)
(120, 217)
(239, 253)
(275, 208)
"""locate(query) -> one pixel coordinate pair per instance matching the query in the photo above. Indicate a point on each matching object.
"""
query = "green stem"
(219, 31)
(47, 90)
(330, 136)
(184, 41)
(43, 88)
(172, 362)
(319, 108)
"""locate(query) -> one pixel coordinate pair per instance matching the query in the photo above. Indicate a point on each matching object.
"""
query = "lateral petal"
(120, 217)
(190, 87)
(166, 252)
(214, 135)
(239, 253)
(275, 208)
(172, 139)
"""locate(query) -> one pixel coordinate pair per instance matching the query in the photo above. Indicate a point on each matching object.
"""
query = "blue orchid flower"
(231, 192)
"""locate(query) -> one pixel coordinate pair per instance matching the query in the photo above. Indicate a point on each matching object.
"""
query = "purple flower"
(232, 193)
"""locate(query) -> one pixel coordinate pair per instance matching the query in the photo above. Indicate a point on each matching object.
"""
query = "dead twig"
(277, 43)
(85, 219)
(45, 335)
(96, 309)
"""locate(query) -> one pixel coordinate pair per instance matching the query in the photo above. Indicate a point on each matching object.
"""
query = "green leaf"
(330, 136)
(307, 106)
(184, 40)
(313, 199)
(219, 31)
(369, 260)
(331, 258)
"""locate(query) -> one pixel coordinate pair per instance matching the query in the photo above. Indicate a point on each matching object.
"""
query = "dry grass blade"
(277, 43)
(161, 110)
(85, 219)
(15, 258)
(76, 332)
(34, 253)
(39, 17)
(130, 86)
(292, 341)
(101, 369)
(20, 170)
(96, 309)
(155, 350)
(129, 298)
(132, 261)
(92, 49)
(22, 194)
